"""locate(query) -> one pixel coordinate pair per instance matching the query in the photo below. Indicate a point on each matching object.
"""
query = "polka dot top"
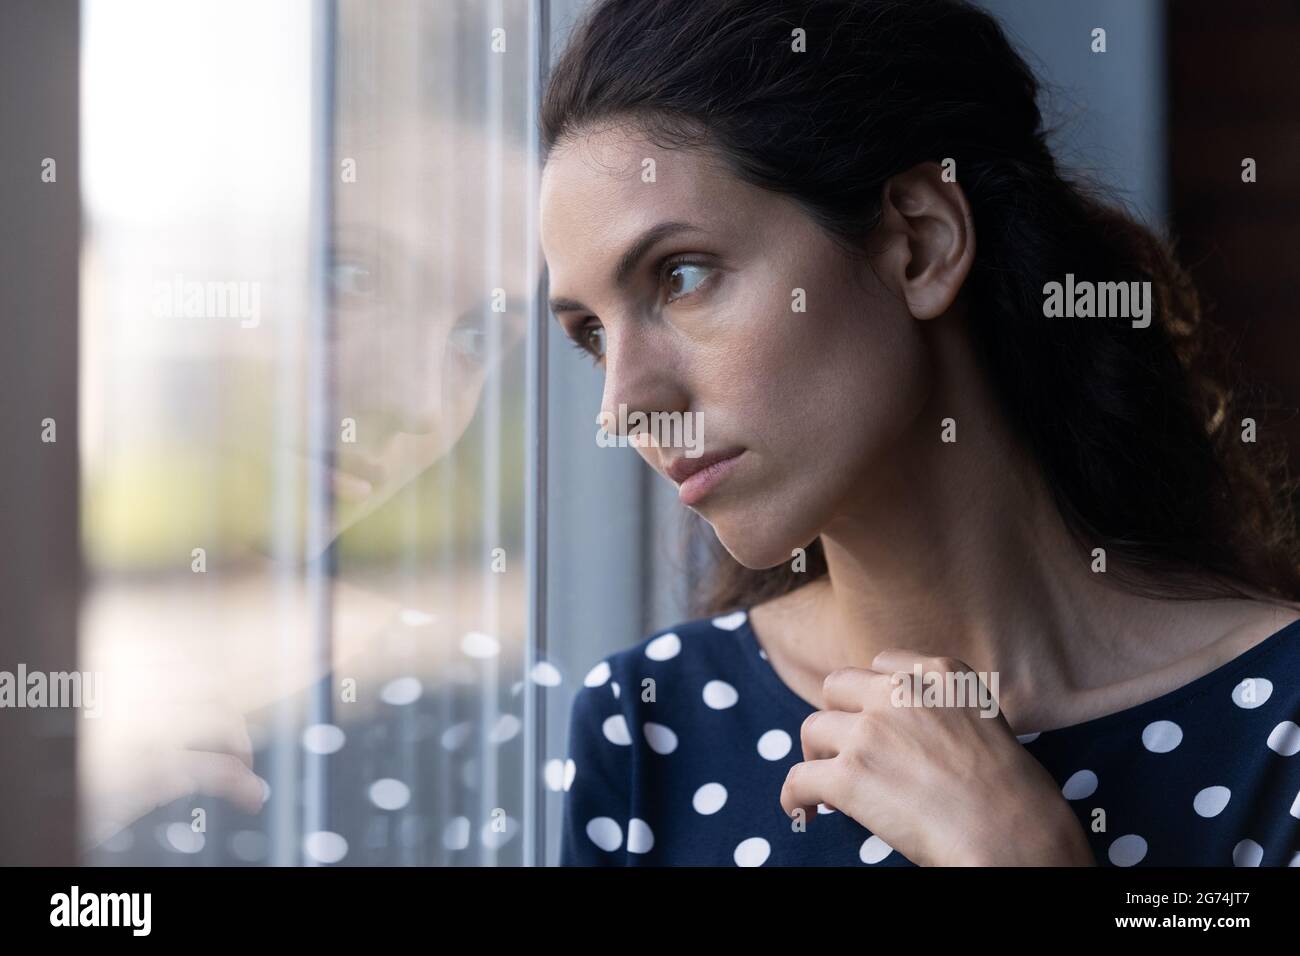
(1205, 775)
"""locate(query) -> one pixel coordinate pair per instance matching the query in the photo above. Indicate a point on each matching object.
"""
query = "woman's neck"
(957, 549)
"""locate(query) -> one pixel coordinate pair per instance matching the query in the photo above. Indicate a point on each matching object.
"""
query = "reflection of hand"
(129, 770)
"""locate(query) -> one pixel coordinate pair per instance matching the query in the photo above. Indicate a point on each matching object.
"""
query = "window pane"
(308, 276)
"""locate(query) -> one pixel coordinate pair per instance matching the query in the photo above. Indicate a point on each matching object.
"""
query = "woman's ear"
(927, 239)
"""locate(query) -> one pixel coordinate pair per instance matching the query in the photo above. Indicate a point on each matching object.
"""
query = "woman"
(829, 229)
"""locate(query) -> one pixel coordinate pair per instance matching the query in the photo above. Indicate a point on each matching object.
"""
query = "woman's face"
(705, 323)
(413, 345)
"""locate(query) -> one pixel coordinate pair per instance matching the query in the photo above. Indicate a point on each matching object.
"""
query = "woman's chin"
(756, 555)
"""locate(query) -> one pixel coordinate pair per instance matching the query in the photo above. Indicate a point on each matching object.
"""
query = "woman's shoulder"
(1250, 684)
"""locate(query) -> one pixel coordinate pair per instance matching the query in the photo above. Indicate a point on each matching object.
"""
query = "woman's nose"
(642, 377)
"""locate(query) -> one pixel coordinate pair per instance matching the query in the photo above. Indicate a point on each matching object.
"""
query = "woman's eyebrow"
(628, 262)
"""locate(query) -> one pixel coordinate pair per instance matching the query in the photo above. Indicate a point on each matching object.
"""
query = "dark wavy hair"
(1133, 431)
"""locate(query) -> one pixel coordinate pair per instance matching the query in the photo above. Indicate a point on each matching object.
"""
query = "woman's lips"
(359, 464)
(346, 484)
(702, 475)
(350, 487)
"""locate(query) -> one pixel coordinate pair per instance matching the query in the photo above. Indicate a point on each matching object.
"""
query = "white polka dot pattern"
(1178, 779)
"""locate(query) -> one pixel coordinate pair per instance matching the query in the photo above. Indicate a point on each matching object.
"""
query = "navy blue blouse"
(1205, 775)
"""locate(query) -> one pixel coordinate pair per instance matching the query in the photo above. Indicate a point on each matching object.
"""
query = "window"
(320, 454)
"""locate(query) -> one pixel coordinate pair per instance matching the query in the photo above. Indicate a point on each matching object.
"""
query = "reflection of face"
(415, 333)
(409, 360)
(705, 324)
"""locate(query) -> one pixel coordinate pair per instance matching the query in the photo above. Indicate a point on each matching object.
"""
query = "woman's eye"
(471, 343)
(684, 278)
(352, 279)
(590, 340)
(469, 338)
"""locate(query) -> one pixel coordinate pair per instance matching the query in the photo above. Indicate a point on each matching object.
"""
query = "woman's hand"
(131, 764)
(942, 785)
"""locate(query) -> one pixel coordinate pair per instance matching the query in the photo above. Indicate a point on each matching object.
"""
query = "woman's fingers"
(810, 783)
(825, 733)
(187, 772)
(228, 738)
(224, 775)
(850, 688)
(897, 659)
